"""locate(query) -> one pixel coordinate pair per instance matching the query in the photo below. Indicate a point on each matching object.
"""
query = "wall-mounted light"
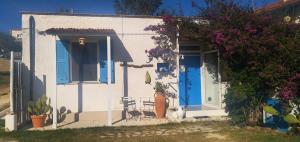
(81, 41)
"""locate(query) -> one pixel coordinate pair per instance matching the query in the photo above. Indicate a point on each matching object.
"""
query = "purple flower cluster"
(290, 90)
(156, 52)
(250, 29)
(219, 38)
(235, 31)
(167, 19)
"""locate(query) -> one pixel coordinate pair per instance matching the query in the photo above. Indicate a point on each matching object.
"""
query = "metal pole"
(11, 93)
(109, 102)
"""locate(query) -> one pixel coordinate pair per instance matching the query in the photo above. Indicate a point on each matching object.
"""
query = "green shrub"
(243, 104)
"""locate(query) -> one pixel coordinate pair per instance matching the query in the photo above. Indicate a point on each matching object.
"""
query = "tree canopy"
(7, 44)
(137, 7)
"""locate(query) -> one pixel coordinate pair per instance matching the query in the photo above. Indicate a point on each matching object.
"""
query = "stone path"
(160, 132)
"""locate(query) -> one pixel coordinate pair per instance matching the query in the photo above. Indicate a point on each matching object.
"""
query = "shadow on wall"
(21, 102)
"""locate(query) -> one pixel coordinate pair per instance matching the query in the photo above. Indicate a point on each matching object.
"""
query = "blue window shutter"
(62, 62)
(103, 62)
(112, 65)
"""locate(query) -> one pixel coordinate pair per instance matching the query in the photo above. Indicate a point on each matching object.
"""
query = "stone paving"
(159, 132)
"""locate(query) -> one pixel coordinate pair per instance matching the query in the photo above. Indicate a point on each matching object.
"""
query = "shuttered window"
(62, 62)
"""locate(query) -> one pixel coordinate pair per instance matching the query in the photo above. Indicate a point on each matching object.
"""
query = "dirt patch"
(4, 65)
(4, 102)
(215, 136)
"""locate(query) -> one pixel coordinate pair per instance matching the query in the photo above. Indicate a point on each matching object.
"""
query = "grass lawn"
(225, 133)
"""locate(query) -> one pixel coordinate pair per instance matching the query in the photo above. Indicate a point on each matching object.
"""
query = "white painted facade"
(135, 40)
(17, 34)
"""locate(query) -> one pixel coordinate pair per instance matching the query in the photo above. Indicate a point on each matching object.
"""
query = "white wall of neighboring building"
(17, 34)
(130, 31)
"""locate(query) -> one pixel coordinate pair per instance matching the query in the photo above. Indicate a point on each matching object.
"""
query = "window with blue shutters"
(62, 62)
(103, 62)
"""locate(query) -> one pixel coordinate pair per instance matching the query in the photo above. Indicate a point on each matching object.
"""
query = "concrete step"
(203, 113)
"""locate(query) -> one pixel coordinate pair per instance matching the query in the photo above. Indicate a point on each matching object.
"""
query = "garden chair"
(130, 108)
(147, 107)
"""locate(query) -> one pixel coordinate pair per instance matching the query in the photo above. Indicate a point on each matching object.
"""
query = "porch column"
(54, 95)
(11, 77)
(109, 102)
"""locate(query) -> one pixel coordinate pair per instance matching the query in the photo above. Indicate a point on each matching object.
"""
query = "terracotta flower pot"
(160, 105)
(38, 120)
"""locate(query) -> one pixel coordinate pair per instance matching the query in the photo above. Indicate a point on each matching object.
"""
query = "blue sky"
(10, 17)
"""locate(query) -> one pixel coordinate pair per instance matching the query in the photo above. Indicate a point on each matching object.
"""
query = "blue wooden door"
(190, 81)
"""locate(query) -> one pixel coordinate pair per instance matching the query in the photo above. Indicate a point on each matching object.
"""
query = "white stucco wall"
(17, 34)
(130, 31)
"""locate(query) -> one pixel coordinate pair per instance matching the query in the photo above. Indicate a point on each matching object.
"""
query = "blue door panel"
(62, 62)
(190, 81)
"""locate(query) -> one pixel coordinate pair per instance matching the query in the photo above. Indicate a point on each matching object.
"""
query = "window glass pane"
(76, 61)
(89, 62)
(84, 62)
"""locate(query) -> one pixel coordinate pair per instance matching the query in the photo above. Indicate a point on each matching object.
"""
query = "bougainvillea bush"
(261, 54)
(260, 57)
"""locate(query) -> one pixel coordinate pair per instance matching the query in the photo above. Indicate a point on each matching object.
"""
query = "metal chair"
(130, 108)
(147, 108)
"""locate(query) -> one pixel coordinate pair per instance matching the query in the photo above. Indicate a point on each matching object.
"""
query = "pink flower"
(289, 91)
(250, 29)
(219, 38)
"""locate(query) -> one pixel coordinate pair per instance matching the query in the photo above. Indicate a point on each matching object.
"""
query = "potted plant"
(160, 99)
(38, 111)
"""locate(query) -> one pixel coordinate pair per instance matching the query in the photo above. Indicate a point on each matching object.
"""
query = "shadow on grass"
(4, 73)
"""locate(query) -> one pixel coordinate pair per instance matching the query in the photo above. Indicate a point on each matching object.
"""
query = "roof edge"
(89, 14)
(277, 5)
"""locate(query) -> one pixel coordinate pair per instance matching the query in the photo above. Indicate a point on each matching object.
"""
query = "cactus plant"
(40, 107)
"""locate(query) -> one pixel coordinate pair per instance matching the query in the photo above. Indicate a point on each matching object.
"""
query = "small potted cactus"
(38, 111)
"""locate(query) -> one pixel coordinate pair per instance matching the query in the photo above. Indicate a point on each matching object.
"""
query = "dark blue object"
(276, 122)
(163, 67)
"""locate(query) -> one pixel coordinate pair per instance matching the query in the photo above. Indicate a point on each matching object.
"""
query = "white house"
(86, 63)
(17, 34)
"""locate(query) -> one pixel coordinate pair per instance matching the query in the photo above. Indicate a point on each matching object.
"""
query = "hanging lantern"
(81, 41)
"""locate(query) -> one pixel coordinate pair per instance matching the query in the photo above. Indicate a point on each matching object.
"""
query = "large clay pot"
(160, 105)
(38, 120)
